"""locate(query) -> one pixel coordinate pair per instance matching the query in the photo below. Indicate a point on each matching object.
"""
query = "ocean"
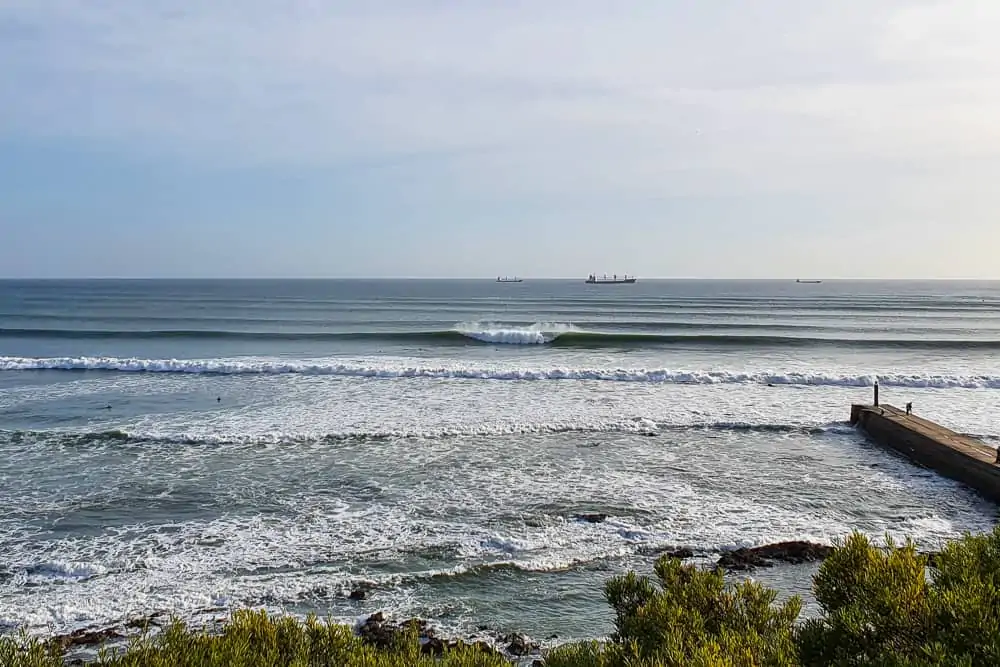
(192, 447)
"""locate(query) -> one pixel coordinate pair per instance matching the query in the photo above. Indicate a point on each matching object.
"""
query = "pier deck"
(933, 446)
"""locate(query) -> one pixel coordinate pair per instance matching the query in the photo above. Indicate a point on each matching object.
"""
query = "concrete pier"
(933, 446)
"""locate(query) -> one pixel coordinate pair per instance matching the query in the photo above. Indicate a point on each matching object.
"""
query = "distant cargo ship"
(506, 279)
(809, 282)
(610, 280)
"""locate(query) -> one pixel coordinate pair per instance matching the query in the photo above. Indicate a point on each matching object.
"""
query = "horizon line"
(481, 278)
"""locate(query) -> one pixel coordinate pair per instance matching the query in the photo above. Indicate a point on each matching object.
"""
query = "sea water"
(185, 447)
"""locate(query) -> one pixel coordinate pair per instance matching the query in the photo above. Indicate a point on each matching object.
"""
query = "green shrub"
(884, 607)
(689, 616)
(25, 651)
(253, 639)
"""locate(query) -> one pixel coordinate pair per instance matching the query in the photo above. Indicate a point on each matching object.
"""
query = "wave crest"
(540, 333)
(389, 369)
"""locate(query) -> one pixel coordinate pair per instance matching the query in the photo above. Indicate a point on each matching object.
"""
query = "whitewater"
(396, 368)
(193, 447)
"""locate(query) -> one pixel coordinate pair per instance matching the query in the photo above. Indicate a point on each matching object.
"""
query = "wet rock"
(433, 646)
(486, 648)
(418, 626)
(765, 556)
(592, 518)
(519, 645)
(86, 637)
(358, 595)
(377, 631)
(680, 553)
(537, 663)
(140, 623)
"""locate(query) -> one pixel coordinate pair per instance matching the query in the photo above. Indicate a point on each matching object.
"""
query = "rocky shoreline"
(379, 630)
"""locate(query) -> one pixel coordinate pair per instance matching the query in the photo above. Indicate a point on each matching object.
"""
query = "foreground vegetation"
(880, 606)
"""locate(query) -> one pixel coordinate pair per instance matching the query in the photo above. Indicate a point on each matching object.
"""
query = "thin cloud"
(551, 104)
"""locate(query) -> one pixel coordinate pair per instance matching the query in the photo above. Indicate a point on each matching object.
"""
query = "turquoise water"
(190, 446)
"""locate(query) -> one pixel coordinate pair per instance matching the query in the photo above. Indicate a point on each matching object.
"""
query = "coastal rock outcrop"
(519, 645)
(379, 631)
(749, 558)
(86, 637)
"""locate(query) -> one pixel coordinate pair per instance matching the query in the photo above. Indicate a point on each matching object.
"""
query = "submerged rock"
(765, 556)
(682, 554)
(595, 517)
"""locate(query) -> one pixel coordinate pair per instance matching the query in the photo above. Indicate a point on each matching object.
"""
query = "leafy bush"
(881, 606)
(884, 607)
(252, 639)
(689, 616)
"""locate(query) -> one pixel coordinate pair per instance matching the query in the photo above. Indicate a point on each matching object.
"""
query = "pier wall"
(933, 446)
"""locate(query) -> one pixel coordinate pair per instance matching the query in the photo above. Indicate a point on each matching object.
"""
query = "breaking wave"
(391, 370)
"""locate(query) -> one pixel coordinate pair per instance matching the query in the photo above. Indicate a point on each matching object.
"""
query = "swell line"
(562, 338)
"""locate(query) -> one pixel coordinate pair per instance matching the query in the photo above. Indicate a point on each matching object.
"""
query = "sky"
(555, 138)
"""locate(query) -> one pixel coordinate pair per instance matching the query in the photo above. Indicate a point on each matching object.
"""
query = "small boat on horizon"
(808, 282)
(508, 279)
(594, 279)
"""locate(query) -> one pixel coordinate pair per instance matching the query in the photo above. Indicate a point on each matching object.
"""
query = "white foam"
(58, 570)
(391, 368)
(507, 544)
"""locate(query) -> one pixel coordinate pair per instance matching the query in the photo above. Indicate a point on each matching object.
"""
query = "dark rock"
(377, 631)
(433, 646)
(592, 518)
(140, 623)
(786, 552)
(486, 648)
(86, 637)
(518, 644)
(358, 595)
(537, 663)
(417, 625)
(680, 553)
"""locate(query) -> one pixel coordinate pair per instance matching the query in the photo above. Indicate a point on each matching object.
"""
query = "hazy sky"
(695, 138)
